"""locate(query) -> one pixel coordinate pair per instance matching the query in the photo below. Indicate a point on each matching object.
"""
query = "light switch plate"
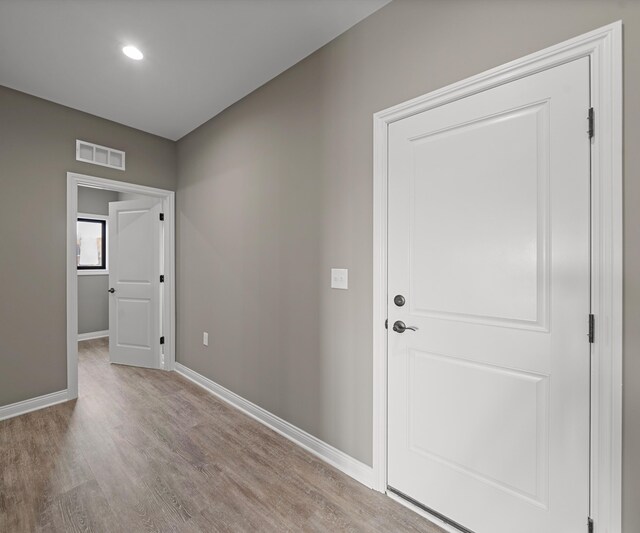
(205, 338)
(339, 278)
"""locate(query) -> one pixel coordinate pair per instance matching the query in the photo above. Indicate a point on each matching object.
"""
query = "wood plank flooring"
(146, 450)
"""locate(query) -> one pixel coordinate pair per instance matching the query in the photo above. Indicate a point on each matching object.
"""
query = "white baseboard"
(93, 335)
(336, 458)
(26, 406)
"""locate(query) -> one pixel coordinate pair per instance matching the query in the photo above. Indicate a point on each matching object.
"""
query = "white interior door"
(488, 406)
(134, 281)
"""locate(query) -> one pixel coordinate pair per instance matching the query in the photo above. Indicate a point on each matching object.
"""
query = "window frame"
(103, 268)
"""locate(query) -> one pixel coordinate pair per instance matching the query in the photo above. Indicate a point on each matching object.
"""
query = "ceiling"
(201, 56)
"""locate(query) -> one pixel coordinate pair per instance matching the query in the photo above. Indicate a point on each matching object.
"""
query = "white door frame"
(167, 198)
(604, 48)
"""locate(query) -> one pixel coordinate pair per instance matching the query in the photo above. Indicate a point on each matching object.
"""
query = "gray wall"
(277, 189)
(37, 149)
(93, 298)
(93, 303)
(95, 201)
(125, 196)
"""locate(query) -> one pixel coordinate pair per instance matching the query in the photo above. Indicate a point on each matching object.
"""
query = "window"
(91, 246)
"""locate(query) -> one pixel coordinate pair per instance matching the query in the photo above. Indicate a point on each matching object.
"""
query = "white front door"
(488, 401)
(134, 281)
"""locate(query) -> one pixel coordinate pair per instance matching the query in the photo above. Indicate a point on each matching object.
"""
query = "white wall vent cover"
(99, 155)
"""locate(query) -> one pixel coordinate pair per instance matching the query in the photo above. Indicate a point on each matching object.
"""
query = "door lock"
(399, 300)
(111, 290)
(400, 327)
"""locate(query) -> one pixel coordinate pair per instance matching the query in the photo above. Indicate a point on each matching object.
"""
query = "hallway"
(146, 450)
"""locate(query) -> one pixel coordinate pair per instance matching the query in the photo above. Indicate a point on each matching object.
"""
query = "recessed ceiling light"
(132, 52)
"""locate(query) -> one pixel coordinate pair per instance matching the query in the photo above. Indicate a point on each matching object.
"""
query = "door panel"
(509, 407)
(134, 273)
(488, 406)
(135, 248)
(134, 322)
(505, 281)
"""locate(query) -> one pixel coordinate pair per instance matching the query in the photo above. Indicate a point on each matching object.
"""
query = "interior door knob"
(111, 290)
(400, 327)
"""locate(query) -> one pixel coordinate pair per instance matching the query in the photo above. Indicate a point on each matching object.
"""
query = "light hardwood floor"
(147, 450)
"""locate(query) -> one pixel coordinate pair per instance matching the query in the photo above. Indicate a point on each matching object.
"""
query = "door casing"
(167, 198)
(604, 48)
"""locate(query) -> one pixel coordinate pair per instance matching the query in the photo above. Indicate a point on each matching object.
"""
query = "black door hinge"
(592, 327)
(161, 278)
(162, 216)
(590, 525)
(386, 324)
(162, 340)
(591, 118)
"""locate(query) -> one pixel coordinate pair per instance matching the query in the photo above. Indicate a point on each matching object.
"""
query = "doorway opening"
(120, 273)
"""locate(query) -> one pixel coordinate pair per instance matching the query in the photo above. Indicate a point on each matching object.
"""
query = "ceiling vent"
(99, 155)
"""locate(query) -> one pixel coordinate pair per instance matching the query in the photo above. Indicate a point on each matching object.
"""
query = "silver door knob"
(111, 290)
(400, 327)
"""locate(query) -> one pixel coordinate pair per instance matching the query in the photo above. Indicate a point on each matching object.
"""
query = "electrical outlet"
(339, 278)
(205, 338)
